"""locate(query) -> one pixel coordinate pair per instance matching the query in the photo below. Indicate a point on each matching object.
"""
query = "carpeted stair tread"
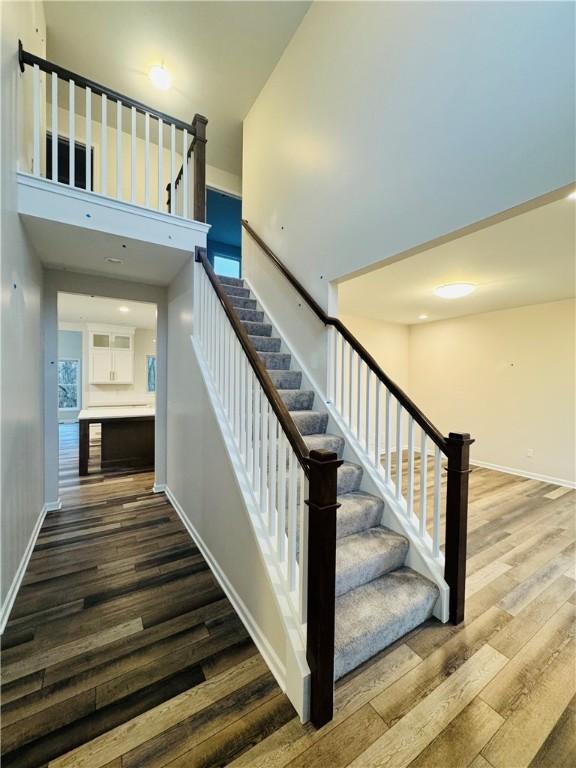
(286, 379)
(257, 329)
(235, 281)
(232, 290)
(349, 477)
(276, 361)
(252, 315)
(325, 442)
(265, 343)
(357, 512)
(310, 422)
(239, 302)
(371, 617)
(297, 399)
(367, 555)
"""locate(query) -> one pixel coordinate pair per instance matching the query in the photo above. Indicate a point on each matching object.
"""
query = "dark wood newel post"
(322, 506)
(457, 521)
(199, 125)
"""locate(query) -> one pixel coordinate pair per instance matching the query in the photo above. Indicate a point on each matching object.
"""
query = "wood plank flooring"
(122, 652)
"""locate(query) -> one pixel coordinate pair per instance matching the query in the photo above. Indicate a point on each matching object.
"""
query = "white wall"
(202, 482)
(387, 125)
(507, 377)
(21, 442)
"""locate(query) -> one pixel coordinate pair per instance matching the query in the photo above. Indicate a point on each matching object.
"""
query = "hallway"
(119, 614)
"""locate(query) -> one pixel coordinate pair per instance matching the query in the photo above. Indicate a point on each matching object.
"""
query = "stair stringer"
(394, 516)
(295, 680)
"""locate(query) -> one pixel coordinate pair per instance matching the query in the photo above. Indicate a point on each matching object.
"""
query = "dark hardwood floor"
(119, 614)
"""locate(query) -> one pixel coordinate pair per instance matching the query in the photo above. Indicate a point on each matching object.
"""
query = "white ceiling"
(58, 246)
(220, 55)
(528, 259)
(74, 308)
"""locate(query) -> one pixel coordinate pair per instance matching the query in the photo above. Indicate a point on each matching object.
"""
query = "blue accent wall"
(224, 213)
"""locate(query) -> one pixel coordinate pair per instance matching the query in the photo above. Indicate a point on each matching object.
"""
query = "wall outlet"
(530, 453)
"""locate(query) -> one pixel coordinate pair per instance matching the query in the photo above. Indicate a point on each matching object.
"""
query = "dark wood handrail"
(276, 402)
(420, 418)
(25, 57)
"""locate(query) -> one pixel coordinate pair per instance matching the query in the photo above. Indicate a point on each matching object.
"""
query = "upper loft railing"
(385, 424)
(87, 135)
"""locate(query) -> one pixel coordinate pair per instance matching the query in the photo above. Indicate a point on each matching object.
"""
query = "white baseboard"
(269, 654)
(524, 473)
(53, 506)
(19, 575)
(159, 488)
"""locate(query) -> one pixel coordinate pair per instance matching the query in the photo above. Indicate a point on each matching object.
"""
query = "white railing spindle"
(410, 494)
(104, 145)
(54, 126)
(184, 181)
(133, 156)
(147, 160)
(36, 120)
(423, 482)
(160, 164)
(437, 496)
(71, 133)
(88, 138)
(118, 149)
(399, 412)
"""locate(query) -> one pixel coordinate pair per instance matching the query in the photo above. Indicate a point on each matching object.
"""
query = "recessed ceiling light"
(112, 260)
(160, 77)
(454, 290)
(154, 341)
(572, 196)
(422, 317)
(123, 309)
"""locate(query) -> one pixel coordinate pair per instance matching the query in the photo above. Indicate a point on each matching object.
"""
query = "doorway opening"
(224, 214)
(106, 388)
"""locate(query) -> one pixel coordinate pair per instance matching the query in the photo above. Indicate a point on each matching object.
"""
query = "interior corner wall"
(21, 423)
(387, 125)
(508, 378)
(224, 181)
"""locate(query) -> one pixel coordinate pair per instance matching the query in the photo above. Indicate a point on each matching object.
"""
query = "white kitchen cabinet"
(111, 355)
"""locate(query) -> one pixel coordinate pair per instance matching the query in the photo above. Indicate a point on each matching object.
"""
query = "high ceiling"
(73, 308)
(220, 54)
(528, 259)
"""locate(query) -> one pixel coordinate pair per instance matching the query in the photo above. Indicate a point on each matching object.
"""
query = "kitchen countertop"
(116, 412)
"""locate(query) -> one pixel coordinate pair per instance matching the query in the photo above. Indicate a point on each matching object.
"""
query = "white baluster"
(263, 454)
(36, 120)
(359, 404)
(243, 405)
(160, 164)
(133, 156)
(293, 471)
(147, 160)
(236, 393)
(256, 422)
(104, 146)
(437, 492)
(399, 412)
(54, 126)
(71, 132)
(423, 481)
(249, 425)
(388, 438)
(410, 494)
(332, 364)
(118, 149)
(282, 492)
(350, 384)
(184, 182)
(172, 168)
(272, 473)
(88, 138)
(342, 376)
(368, 410)
(377, 426)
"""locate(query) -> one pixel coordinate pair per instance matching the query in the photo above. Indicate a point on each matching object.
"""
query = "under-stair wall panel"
(202, 484)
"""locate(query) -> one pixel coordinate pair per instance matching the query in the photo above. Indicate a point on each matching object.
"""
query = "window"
(151, 373)
(226, 267)
(68, 384)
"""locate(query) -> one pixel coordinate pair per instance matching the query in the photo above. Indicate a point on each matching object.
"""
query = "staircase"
(378, 598)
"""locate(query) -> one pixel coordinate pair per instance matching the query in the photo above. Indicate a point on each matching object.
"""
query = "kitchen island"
(127, 436)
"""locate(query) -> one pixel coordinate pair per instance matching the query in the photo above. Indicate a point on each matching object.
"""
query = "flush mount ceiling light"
(160, 77)
(422, 317)
(454, 290)
(123, 309)
(572, 196)
(112, 260)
